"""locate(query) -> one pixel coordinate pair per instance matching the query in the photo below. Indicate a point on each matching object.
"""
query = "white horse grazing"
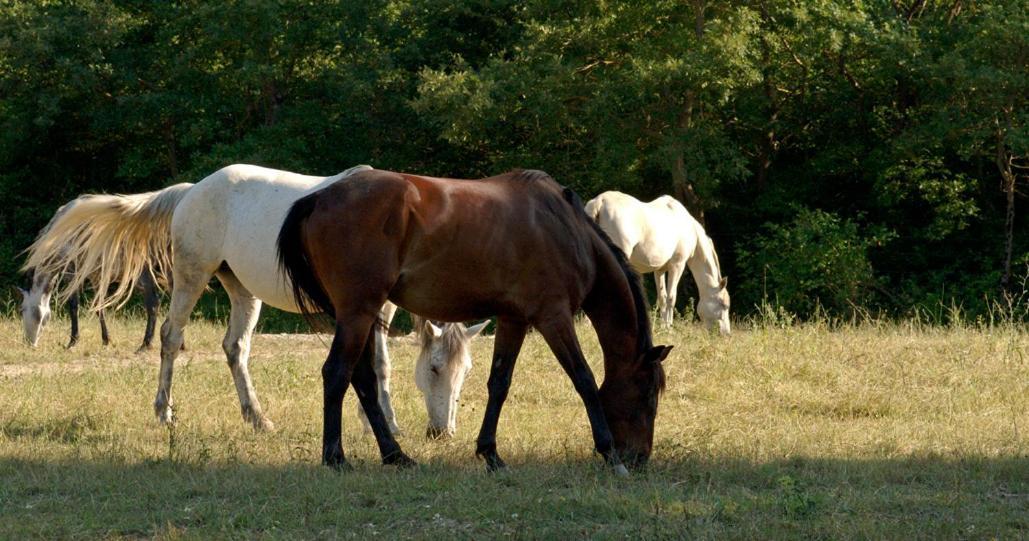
(441, 370)
(35, 310)
(661, 237)
(35, 302)
(224, 226)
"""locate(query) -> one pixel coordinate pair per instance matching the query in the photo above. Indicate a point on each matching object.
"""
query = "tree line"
(844, 155)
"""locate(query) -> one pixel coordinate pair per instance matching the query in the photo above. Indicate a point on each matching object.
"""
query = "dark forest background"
(846, 156)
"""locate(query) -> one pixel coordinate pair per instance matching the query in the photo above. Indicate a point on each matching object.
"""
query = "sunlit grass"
(874, 430)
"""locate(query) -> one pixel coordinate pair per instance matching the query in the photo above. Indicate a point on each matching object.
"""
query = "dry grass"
(870, 431)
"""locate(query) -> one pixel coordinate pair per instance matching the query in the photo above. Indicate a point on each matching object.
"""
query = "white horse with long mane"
(224, 226)
(661, 237)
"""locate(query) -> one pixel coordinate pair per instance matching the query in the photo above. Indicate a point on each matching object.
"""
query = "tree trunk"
(698, 18)
(1008, 186)
(171, 155)
(684, 189)
(767, 146)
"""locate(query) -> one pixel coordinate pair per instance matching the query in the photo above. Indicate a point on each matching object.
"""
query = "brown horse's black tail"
(308, 293)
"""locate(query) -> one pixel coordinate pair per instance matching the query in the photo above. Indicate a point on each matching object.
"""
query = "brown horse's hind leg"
(366, 385)
(507, 344)
(383, 370)
(559, 333)
(350, 358)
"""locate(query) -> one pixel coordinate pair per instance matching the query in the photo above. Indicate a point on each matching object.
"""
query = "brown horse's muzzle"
(634, 459)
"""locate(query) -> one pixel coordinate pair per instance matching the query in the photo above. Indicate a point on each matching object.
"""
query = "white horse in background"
(224, 226)
(35, 310)
(35, 302)
(661, 237)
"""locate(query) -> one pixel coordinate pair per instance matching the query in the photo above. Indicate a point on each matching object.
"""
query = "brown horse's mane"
(644, 338)
(644, 341)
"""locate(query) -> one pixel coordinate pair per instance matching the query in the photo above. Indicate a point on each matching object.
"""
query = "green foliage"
(935, 201)
(902, 116)
(817, 259)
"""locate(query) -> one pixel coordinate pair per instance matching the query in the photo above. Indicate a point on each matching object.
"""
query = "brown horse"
(516, 246)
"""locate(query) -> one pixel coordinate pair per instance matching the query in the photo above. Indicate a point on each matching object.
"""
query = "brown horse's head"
(630, 405)
(634, 375)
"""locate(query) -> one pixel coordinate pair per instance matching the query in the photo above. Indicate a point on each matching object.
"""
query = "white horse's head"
(440, 372)
(714, 309)
(35, 309)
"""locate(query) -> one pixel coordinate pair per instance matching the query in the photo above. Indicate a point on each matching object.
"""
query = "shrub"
(816, 259)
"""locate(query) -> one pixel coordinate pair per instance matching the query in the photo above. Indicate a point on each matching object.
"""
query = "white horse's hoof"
(257, 419)
(621, 471)
(164, 415)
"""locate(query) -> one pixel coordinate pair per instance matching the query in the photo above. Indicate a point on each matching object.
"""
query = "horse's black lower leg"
(104, 335)
(73, 315)
(560, 336)
(347, 347)
(335, 379)
(366, 386)
(150, 303)
(507, 344)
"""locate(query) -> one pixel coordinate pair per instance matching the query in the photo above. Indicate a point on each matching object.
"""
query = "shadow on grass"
(919, 497)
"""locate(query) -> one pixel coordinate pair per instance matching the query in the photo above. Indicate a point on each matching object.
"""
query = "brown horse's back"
(461, 249)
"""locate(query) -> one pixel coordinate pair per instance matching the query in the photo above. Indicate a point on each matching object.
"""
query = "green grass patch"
(855, 431)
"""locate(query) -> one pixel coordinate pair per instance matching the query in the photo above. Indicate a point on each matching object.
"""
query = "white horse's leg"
(242, 320)
(188, 287)
(383, 367)
(675, 271)
(662, 295)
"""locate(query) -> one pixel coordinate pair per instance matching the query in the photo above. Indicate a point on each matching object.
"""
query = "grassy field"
(868, 431)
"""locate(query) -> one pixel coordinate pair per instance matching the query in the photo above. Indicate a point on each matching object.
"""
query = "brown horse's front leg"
(507, 344)
(559, 334)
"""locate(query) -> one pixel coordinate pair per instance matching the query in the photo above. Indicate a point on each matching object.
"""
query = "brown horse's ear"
(724, 282)
(657, 354)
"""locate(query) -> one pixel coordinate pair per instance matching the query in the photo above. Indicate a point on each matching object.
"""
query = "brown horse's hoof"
(341, 466)
(494, 463)
(400, 460)
(335, 459)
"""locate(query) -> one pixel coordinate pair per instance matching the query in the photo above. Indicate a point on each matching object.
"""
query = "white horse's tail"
(108, 239)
